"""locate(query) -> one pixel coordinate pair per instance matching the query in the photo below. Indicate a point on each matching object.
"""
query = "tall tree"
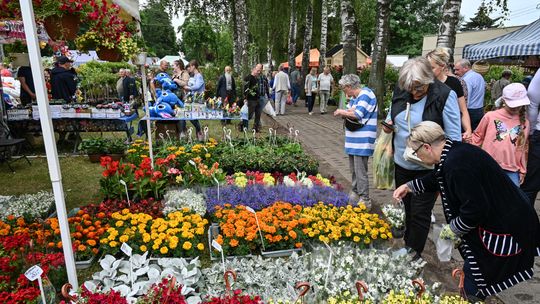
(198, 38)
(241, 43)
(307, 38)
(348, 37)
(378, 65)
(324, 34)
(159, 36)
(447, 29)
(292, 36)
(481, 20)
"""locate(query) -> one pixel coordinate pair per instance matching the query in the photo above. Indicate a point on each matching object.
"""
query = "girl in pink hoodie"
(503, 133)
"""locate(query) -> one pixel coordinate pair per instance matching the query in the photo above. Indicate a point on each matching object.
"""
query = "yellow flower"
(164, 250)
(356, 239)
(187, 245)
(113, 244)
(200, 246)
(119, 223)
(143, 248)
(124, 238)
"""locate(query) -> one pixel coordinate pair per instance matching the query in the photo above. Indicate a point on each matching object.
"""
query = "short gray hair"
(464, 63)
(415, 70)
(427, 132)
(350, 80)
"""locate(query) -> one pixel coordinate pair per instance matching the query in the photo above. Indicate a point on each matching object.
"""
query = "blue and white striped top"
(362, 141)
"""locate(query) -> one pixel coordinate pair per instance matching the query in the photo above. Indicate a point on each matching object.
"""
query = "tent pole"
(27, 11)
(147, 111)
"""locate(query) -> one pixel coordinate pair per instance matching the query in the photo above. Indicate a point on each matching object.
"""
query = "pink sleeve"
(480, 133)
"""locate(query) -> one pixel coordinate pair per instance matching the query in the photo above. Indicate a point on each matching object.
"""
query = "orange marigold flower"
(233, 242)
(81, 248)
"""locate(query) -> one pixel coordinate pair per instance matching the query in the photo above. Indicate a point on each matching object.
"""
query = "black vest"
(433, 110)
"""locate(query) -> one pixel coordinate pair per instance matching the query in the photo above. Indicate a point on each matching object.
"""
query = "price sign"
(33, 273)
(126, 249)
(217, 246)
(250, 209)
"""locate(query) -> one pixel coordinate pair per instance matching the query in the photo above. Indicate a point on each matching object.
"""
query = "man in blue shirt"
(476, 87)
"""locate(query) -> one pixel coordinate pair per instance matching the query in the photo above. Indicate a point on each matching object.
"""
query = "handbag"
(352, 124)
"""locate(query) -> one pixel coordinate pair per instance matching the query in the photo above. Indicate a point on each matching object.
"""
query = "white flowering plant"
(29, 206)
(394, 215)
(177, 199)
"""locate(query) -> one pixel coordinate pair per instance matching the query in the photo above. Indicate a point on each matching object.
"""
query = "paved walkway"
(323, 136)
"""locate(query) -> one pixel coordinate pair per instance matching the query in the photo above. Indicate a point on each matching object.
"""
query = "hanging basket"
(109, 54)
(63, 27)
(481, 67)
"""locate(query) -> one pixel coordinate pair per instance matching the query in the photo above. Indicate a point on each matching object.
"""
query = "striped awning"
(523, 42)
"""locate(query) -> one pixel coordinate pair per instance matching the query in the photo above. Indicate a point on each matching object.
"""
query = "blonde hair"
(415, 70)
(440, 55)
(426, 132)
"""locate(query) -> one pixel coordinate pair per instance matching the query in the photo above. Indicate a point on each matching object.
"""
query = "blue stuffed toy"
(166, 82)
(169, 97)
(165, 104)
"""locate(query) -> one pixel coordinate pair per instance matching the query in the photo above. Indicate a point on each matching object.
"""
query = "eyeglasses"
(415, 152)
(418, 88)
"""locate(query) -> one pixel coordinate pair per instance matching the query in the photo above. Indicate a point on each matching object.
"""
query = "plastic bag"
(443, 245)
(289, 100)
(244, 112)
(383, 162)
(268, 109)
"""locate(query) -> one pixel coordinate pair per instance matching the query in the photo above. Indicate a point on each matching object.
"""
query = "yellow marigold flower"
(164, 250)
(200, 246)
(113, 244)
(356, 239)
(187, 246)
(143, 248)
(119, 224)
(124, 238)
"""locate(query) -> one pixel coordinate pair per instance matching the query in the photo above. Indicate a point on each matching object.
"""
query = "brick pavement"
(323, 136)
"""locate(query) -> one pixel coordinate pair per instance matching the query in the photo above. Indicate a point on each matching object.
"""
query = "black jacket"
(433, 110)
(63, 84)
(251, 88)
(499, 228)
(222, 87)
(130, 88)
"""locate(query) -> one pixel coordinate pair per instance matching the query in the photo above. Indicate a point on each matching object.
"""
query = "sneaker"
(433, 219)
(310, 113)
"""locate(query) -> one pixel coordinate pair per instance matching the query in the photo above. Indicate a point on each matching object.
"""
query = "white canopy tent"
(27, 11)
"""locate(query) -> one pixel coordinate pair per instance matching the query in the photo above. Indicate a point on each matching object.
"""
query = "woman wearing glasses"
(497, 227)
(419, 97)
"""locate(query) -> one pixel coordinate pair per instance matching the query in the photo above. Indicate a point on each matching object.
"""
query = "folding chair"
(7, 146)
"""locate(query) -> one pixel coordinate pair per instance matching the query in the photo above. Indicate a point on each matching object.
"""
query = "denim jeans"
(514, 176)
(295, 92)
(531, 185)
(475, 115)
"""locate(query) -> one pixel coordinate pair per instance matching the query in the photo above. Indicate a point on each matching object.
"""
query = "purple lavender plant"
(259, 196)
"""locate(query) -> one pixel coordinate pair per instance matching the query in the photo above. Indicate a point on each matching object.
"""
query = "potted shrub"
(115, 149)
(61, 18)
(94, 147)
(108, 48)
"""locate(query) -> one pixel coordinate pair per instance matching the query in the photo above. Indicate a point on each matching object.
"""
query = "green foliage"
(97, 145)
(115, 146)
(157, 30)
(494, 74)
(409, 22)
(481, 20)
(211, 75)
(199, 40)
(391, 76)
(96, 75)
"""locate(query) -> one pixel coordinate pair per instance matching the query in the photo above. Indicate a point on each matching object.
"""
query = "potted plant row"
(98, 147)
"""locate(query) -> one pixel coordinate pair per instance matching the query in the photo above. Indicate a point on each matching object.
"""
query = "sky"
(521, 12)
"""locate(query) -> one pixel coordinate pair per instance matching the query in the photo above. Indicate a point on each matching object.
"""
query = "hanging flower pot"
(63, 27)
(109, 54)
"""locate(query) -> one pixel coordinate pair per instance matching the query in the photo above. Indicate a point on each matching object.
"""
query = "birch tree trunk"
(307, 38)
(447, 29)
(241, 51)
(237, 65)
(348, 37)
(324, 34)
(292, 37)
(269, 50)
(378, 65)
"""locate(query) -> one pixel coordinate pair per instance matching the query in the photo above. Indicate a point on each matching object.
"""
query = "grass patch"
(80, 179)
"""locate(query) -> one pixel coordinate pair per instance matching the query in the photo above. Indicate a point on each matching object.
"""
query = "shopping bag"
(444, 249)
(289, 100)
(383, 162)
(268, 109)
(244, 112)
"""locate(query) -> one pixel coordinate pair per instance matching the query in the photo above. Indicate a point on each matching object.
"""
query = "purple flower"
(259, 196)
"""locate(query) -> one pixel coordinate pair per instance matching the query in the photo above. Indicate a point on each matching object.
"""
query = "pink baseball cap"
(515, 95)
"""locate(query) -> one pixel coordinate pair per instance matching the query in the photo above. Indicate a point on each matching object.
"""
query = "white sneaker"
(433, 219)
(310, 113)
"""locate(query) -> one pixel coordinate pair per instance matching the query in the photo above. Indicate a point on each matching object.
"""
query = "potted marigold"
(108, 48)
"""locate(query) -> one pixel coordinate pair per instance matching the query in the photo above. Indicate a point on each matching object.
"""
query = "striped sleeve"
(416, 186)
(427, 183)
(459, 227)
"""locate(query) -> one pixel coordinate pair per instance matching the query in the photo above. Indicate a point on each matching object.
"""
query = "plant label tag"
(250, 209)
(192, 163)
(126, 249)
(33, 273)
(217, 246)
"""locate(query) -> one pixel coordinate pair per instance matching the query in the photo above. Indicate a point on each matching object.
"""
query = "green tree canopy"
(481, 20)
(157, 30)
